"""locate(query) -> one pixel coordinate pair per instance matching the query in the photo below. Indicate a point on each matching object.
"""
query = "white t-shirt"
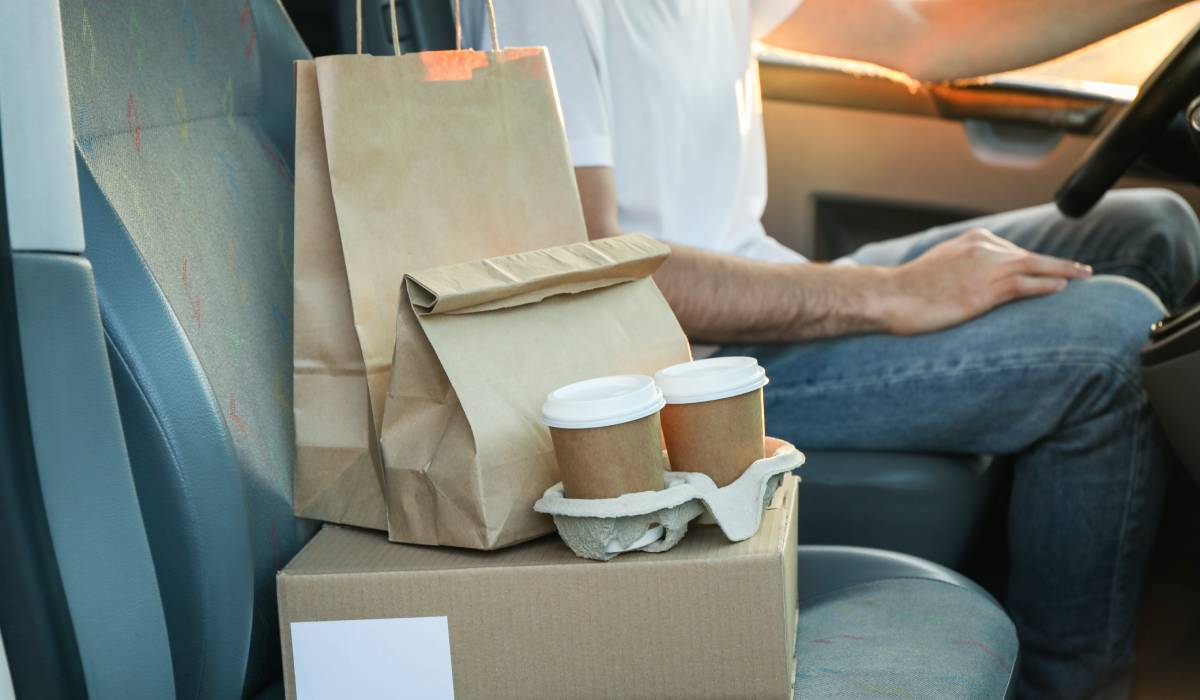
(666, 93)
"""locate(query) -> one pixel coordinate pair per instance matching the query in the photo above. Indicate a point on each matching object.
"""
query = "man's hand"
(968, 276)
(725, 299)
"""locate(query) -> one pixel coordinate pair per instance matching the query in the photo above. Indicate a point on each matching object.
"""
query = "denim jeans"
(1053, 381)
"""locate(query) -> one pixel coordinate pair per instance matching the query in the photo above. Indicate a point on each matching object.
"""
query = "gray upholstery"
(926, 505)
(828, 568)
(272, 692)
(182, 115)
(108, 577)
(879, 624)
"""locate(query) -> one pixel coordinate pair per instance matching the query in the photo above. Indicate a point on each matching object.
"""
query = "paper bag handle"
(358, 26)
(491, 11)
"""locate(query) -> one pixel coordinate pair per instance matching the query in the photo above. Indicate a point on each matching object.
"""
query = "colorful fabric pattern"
(165, 98)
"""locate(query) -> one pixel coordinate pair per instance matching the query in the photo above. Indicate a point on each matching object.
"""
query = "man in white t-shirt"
(909, 344)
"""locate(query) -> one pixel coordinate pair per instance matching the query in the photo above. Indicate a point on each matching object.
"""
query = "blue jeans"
(1053, 381)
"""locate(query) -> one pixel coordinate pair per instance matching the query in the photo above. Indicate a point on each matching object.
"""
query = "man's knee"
(1099, 322)
(1111, 323)
(1158, 220)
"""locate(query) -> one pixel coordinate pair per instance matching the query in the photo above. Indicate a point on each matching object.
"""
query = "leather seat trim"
(187, 476)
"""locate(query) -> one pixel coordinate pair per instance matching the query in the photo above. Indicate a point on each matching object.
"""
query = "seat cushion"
(927, 505)
(274, 691)
(182, 114)
(877, 624)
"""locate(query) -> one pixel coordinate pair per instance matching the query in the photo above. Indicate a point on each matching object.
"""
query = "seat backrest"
(183, 126)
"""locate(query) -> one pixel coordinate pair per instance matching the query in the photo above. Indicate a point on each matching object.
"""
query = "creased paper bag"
(403, 163)
(478, 347)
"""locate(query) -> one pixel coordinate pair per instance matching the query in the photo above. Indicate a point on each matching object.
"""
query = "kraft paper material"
(405, 163)
(478, 347)
(719, 438)
(610, 461)
(708, 620)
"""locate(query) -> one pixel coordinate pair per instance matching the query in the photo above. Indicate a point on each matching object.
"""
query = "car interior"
(146, 436)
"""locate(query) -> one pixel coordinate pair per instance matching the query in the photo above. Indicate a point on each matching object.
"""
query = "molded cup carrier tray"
(655, 521)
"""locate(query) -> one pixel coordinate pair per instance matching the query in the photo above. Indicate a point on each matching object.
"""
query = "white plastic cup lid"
(596, 403)
(710, 379)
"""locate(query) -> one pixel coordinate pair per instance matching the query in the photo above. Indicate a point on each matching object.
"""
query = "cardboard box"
(708, 619)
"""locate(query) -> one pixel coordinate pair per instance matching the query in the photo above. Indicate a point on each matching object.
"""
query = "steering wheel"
(1167, 91)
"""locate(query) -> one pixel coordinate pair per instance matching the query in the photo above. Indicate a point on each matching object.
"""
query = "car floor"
(1168, 645)
(1168, 636)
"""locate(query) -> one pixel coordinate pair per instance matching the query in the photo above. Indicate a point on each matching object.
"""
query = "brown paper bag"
(403, 163)
(478, 347)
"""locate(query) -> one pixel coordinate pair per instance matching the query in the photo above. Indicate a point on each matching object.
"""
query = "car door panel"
(843, 135)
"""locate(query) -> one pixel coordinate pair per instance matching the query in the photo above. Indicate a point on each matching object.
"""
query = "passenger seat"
(183, 130)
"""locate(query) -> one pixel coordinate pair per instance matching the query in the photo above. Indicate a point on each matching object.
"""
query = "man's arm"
(937, 40)
(724, 299)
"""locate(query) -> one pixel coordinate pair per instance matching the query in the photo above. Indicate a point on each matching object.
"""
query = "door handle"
(1009, 144)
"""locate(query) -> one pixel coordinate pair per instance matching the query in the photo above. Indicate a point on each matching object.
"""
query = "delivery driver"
(990, 336)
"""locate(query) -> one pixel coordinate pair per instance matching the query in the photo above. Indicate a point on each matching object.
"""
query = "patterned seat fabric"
(183, 112)
(904, 638)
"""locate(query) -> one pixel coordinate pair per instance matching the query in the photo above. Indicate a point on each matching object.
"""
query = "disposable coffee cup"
(713, 418)
(607, 436)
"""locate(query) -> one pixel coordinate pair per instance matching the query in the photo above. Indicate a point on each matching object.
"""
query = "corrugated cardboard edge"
(786, 497)
(784, 685)
(786, 549)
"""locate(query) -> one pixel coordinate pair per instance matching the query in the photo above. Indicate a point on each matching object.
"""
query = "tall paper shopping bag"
(403, 163)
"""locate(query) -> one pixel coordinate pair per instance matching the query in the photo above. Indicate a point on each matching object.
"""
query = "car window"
(1126, 58)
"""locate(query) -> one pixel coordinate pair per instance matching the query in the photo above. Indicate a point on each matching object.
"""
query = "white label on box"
(403, 657)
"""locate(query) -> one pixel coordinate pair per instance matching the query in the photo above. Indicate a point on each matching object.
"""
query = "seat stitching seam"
(858, 584)
(170, 444)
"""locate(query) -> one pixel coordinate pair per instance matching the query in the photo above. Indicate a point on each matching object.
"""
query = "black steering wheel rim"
(1168, 90)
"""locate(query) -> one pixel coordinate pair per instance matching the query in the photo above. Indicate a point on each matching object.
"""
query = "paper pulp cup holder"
(653, 534)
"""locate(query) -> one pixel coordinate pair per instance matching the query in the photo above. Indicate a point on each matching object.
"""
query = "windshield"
(1127, 58)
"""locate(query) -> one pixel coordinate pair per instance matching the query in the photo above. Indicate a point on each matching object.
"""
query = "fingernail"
(1084, 268)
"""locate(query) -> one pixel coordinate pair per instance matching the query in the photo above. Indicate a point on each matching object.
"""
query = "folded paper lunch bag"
(478, 347)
